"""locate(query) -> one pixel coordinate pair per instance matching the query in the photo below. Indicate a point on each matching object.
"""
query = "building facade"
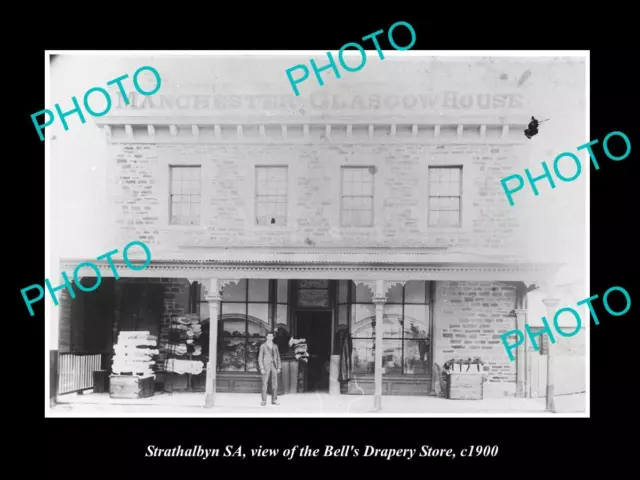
(359, 204)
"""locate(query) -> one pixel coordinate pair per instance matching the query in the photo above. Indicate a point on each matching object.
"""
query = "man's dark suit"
(269, 362)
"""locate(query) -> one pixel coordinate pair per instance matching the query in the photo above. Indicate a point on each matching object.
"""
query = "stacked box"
(131, 386)
(465, 386)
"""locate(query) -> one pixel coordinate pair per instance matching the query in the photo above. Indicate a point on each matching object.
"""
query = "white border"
(50, 309)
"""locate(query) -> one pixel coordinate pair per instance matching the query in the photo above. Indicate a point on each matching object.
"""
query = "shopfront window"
(249, 309)
(405, 329)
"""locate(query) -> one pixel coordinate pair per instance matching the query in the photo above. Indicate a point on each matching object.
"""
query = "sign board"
(322, 102)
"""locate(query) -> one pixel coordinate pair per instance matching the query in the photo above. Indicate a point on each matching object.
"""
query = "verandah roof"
(196, 263)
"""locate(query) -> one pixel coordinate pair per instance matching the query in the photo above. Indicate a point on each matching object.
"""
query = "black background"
(540, 446)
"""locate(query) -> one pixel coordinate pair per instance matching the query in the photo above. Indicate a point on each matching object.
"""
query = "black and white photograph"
(294, 234)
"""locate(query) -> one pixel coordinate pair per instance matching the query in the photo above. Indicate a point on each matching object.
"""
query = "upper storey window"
(185, 195)
(445, 196)
(356, 205)
(271, 195)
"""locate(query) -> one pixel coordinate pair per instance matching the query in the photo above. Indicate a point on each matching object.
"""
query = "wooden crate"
(100, 381)
(129, 386)
(465, 386)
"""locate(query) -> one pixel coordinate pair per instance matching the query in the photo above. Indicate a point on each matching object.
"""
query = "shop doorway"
(315, 327)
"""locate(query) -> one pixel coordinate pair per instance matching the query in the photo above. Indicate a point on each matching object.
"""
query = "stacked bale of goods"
(299, 348)
(133, 368)
(182, 346)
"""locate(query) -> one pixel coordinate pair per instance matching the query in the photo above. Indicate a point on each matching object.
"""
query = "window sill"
(270, 228)
(357, 229)
(185, 227)
(391, 376)
(463, 229)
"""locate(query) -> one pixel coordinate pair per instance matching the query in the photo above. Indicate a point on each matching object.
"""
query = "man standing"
(269, 361)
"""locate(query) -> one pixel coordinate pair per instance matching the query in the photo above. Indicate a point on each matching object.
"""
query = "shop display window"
(283, 291)
(363, 360)
(406, 339)
(249, 309)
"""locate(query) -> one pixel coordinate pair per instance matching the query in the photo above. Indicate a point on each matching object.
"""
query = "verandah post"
(213, 297)
(379, 299)
(551, 304)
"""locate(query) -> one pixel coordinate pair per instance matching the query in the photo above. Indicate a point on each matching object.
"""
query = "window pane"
(392, 356)
(343, 312)
(416, 357)
(343, 291)
(361, 218)
(313, 298)
(253, 347)
(392, 321)
(363, 294)
(235, 293)
(203, 310)
(416, 321)
(233, 319)
(349, 203)
(258, 290)
(349, 188)
(271, 195)
(357, 197)
(414, 292)
(434, 218)
(395, 294)
(454, 218)
(362, 317)
(282, 315)
(283, 291)
(233, 354)
(185, 195)
(363, 359)
(258, 319)
(453, 188)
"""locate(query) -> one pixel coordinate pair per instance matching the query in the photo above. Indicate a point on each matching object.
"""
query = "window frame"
(429, 300)
(272, 305)
(287, 202)
(162, 191)
(248, 172)
(173, 166)
(430, 169)
(469, 172)
(343, 168)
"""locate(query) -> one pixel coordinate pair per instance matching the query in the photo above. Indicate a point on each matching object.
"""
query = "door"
(315, 327)
(142, 307)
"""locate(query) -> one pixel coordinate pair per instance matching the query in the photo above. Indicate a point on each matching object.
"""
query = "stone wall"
(469, 318)
(140, 195)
